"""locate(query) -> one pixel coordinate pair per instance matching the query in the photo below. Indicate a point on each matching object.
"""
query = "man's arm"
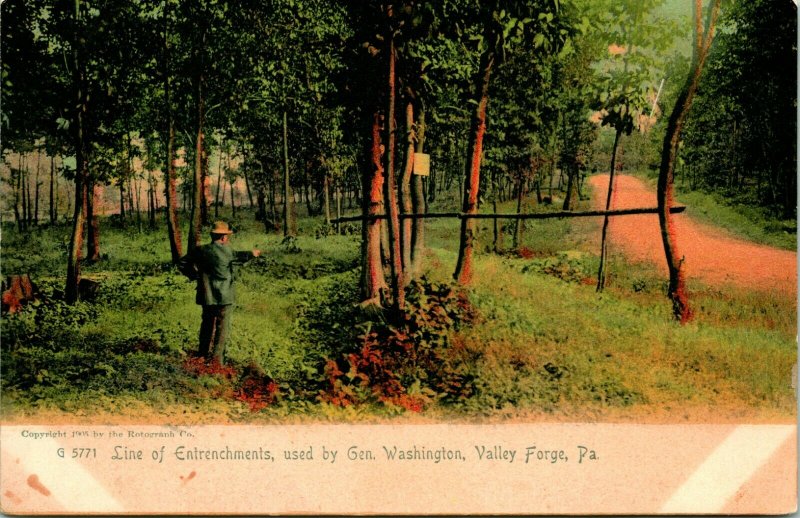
(243, 257)
(187, 265)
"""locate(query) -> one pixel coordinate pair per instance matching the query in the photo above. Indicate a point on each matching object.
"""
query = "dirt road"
(711, 254)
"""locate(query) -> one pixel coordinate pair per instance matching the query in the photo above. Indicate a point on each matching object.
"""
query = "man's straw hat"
(220, 227)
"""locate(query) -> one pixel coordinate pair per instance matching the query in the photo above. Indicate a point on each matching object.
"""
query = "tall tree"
(703, 37)
(501, 25)
(170, 175)
(81, 156)
(633, 34)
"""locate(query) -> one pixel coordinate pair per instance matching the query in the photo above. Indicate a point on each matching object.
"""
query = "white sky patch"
(728, 467)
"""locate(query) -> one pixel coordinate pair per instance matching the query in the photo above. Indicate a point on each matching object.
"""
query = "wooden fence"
(542, 215)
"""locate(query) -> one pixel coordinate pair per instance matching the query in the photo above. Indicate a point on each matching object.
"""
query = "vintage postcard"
(299, 257)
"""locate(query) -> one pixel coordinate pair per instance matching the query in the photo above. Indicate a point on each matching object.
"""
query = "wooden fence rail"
(543, 215)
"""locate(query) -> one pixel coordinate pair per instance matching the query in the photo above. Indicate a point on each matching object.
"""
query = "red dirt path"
(711, 255)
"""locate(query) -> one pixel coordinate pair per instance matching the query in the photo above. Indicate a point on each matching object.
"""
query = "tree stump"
(87, 289)
(18, 290)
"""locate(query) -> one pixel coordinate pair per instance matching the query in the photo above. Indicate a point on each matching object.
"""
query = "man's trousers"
(214, 331)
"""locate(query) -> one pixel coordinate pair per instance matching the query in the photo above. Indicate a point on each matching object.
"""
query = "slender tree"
(501, 27)
(81, 160)
(170, 174)
(703, 37)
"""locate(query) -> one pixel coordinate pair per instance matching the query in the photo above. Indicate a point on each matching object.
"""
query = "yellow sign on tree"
(422, 164)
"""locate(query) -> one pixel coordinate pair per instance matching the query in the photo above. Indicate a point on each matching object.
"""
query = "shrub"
(345, 229)
(567, 266)
(410, 359)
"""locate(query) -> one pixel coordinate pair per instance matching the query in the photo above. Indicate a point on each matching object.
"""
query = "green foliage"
(627, 81)
(47, 351)
(747, 220)
(568, 266)
(544, 341)
(738, 140)
(409, 360)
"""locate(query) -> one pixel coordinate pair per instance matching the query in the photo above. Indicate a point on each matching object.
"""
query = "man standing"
(212, 266)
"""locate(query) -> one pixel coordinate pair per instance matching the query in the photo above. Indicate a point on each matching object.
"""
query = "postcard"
(406, 258)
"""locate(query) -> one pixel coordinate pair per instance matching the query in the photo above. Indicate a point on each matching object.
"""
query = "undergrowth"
(530, 335)
(408, 359)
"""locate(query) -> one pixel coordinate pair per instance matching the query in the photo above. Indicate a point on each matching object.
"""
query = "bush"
(345, 229)
(408, 360)
(567, 266)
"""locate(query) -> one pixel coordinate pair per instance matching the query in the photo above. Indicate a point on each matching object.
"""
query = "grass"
(741, 220)
(545, 343)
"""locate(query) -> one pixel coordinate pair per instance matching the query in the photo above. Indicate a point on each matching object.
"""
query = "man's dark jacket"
(213, 267)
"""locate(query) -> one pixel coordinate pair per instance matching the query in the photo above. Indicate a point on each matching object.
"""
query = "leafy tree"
(738, 138)
(499, 26)
(703, 37)
(630, 77)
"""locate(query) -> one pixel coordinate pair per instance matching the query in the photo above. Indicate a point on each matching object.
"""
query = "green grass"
(739, 219)
(545, 341)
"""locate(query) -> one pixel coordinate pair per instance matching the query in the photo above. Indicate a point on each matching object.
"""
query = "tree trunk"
(36, 186)
(24, 193)
(306, 192)
(472, 179)
(406, 205)
(418, 201)
(131, 205)
(390, 194)
(17, 184)
(138, 204)
(519, 223)
(273, 210)
(93, 234)
(372, 280)
(171, 194)
(29, 219)
(51, 213)
(703, 37)
(196, 221)
(497, 226)
(56, 189)
(205, 181)
(536, 166)
(246, 177)
(338, 205)
(326, 192)
(151, 197)
(151, 205)
(571, 196)
(261, 201)
(601, 272)
(121, 186)
(233, 198)
(219, 184)
(81, 165)
(432, 187)
(386, 253)
(289, 228)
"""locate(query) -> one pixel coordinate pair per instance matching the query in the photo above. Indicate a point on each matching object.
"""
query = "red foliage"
(258, 393)
(18, 290)
(251, 387)
(415, 348)
(199, 366)
(525, 252)
(410, 403)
